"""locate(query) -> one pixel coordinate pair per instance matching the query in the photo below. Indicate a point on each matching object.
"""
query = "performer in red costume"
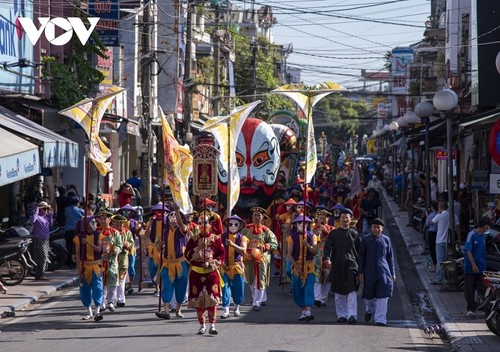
(205, 253)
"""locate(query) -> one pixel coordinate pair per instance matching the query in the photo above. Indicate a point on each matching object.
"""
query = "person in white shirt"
(434, 188)
(442, 219)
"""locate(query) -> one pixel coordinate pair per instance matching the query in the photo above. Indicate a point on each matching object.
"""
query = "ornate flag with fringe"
(178, 167)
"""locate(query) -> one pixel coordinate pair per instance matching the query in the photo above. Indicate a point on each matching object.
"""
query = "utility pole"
(146, 132)
(254, 46)
(217, 61)
(188, 83)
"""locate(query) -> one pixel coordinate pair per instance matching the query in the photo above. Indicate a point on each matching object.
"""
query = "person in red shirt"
(125, 194)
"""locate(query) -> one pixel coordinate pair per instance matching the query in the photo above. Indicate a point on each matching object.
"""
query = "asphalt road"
(55, 324)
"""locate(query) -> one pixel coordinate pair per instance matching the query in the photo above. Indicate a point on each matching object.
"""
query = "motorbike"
(15, 258)
(58, 254)
(491, 304)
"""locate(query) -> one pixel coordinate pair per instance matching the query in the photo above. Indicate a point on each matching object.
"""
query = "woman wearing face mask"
(233, 270)
(301, 251)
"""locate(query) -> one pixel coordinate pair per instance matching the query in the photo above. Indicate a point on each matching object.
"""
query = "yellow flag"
(226, 130)
(88, 113)
(306, 98)
(178, 167)
(99, 153)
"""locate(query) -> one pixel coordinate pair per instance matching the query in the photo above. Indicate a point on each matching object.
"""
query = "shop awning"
(58, 151)
(479, 120)
(19, 158)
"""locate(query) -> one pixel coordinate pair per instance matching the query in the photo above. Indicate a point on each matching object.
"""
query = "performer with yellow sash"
(233, 270)
(206, 253)
(154, 233)
(174, 267)
(87, 244)
(301, 251)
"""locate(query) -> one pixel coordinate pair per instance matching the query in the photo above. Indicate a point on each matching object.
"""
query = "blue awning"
(58, 151)
(19, 159)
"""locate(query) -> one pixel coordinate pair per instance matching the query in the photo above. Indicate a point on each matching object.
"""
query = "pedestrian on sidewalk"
(442, 219)
(431, 229)
(341, 258)
(475, 263)
(42, 219)
(376, 272)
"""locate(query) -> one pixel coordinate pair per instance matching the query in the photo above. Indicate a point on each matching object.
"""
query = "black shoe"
(130, 290)
(380, 324)
(310, 317)
(352, 320)
(212, 331)
(120, 304)
(256, 308)
(341, 320)
(264, 303)
(317, 303)
(163, 315)
(368, 316)
(98, 317)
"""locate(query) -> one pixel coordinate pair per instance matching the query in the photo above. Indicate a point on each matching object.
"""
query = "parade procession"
(267, 206)
(279, 175)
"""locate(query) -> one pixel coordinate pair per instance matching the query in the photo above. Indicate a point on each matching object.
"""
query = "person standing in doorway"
(42, 220)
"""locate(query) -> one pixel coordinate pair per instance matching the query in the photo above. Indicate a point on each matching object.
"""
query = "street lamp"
(446, 101)
(424, 110)
(411, 119)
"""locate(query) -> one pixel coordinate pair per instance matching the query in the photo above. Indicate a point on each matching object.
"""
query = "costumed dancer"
(341, 255)
(88, 244)
(284, 223)
(112, 245)
(322, 284)
(262, 242)
(233, 270)
(205, 253)
(301, 251)
(118, 222)
(174, 270)
(154, 233)
(376, 272)
(135, 227)
(208, 205)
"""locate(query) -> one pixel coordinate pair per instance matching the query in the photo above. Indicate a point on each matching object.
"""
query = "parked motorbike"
(15, 258)
(58, 254)
(491, 304)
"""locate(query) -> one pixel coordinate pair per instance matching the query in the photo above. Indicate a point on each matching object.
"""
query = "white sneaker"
(471, 314)
(236, 312)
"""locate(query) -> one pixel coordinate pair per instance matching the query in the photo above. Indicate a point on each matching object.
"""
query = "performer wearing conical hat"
(174, 270)
(301, 250)
(233, 270)
(262, 243)
(88, 244)
(118, 222)
(206, 253)
(153, 232)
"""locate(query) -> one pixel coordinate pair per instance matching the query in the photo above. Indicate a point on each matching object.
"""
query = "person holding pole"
(301, 248)
(174, 267)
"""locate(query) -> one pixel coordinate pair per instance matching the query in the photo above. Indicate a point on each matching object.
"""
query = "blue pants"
(131, 266)
(179, 285)
(153, 269)
(234, 288)
(441, 256)
(303, 295)
(92, 291)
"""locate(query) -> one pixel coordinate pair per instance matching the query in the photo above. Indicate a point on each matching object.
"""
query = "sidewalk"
(30, 290)
(464, 334)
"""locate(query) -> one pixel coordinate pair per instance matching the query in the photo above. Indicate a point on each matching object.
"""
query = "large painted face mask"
(258, 158)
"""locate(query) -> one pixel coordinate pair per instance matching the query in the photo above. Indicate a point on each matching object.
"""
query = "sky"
(334, 39)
